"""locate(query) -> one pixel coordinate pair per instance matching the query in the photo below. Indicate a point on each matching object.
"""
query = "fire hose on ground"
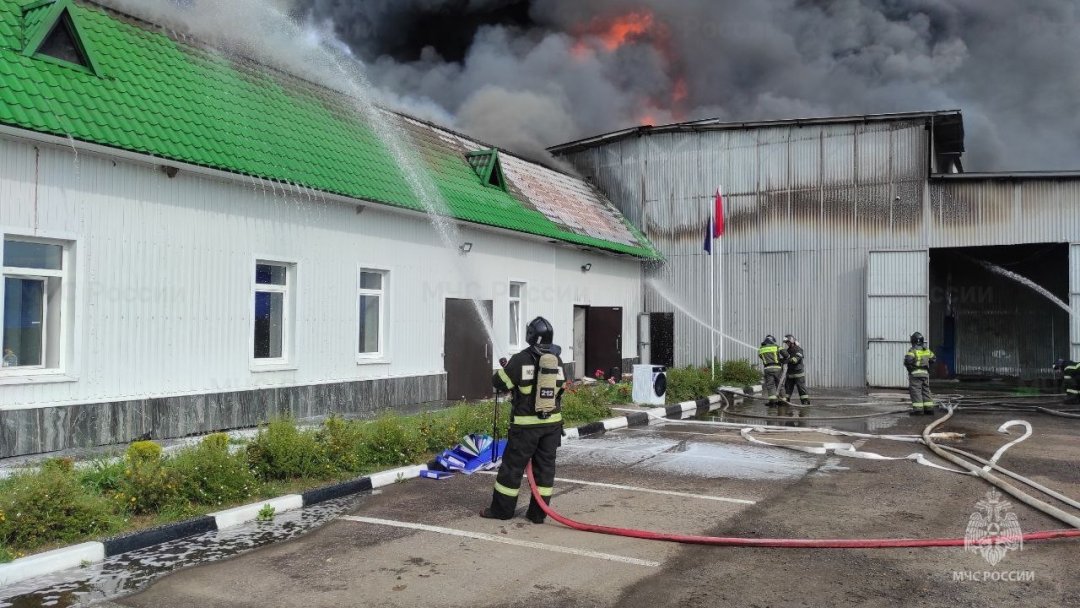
(855, 543)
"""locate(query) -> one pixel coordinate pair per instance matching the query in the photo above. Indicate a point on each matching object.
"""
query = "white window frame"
(522, 315)
(383, 294)
(286, 361)
(29, 373)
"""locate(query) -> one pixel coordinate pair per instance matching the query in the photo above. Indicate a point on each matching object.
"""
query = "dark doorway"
(603, 341)
(985, 323)
(662, 339)
(467, 354)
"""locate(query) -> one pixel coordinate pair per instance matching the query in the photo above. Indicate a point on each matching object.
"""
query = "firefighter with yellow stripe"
(796, 371)
(918, 361)
(1070, 379)
(535, 378)
(772, 363)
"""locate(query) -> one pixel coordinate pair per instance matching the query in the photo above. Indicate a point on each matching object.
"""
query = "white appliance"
(650, 384)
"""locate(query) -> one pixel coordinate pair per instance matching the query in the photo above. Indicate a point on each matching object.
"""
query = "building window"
(372, 313)
(273, 311)
(517, 293)
(33, 297)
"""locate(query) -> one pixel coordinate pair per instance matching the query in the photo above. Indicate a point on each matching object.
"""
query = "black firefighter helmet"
(539, 331)
(769, 340)
(917, 339)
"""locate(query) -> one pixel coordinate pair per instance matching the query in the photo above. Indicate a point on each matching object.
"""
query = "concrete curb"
(87, 553)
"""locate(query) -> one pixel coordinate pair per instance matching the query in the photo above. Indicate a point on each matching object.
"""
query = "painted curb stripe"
(51, 561)
(385, 478)
(502, 540)
(237, 516)
(156, 536)
(338, 490)
(590, 429)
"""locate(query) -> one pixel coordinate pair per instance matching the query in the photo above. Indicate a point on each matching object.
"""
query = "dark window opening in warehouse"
(988, 322)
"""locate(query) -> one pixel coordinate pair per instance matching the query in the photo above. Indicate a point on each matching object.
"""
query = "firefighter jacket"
(771, 356)
(918, 361)
(795, 358)
(519, 377)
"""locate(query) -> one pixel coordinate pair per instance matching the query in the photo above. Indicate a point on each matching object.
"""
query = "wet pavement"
(130, 572)
(421, 544)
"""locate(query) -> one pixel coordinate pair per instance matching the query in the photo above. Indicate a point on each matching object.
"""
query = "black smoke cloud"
(506, 71)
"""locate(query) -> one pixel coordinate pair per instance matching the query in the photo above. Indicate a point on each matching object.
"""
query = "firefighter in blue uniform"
(918, 360)
(772, 363)
(535, 378)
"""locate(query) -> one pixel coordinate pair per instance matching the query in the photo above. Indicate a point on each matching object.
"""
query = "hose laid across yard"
(785, 543)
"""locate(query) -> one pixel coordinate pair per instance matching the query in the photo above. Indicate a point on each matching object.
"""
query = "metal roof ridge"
(719, 124)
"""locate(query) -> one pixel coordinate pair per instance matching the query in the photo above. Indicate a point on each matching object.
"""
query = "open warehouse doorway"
(996, 312)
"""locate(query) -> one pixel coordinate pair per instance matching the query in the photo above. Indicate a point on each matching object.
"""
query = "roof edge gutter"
(228, 176)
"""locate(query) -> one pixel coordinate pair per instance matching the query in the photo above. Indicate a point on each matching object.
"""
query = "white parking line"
(740, 501)
(499, 539)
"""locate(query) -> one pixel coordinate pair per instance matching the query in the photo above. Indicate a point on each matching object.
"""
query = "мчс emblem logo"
(993, 529)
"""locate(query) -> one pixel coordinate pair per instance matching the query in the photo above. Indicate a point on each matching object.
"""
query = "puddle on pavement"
(747, 412)
(705, 459)
(130, 572)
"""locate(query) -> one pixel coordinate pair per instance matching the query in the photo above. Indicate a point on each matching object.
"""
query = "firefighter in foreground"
(535, 378)
(796, 371)
(1070, 379)
(918, 361)
(772, 361)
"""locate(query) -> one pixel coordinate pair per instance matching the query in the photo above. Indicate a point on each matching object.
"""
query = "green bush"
(148, 483)
(103, 477)
(688, 383)
(341, 441)
(283, 451)
(391, 441)
(586, 403)
(51, 506)
(738, 373)
(209, 475)
(6, 555)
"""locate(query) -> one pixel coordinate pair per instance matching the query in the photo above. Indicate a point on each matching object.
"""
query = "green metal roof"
(147, 92)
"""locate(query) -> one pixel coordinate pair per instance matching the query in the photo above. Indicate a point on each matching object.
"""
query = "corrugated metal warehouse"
(851, 233)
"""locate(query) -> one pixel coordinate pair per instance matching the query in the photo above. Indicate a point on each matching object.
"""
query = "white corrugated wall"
(163, 299)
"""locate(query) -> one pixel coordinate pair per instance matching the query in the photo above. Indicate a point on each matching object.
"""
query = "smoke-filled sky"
(526, 74)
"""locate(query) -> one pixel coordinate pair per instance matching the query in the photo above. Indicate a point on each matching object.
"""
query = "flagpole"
(722, 332)
(712, 292)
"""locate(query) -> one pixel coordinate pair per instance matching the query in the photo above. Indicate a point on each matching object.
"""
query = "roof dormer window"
(53, 33)
(487, 166)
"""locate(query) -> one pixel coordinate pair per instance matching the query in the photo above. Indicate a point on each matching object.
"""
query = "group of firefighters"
(774, 358)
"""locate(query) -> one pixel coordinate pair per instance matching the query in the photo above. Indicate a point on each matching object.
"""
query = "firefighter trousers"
(525, 444)
(919, 389)
(771, 383)
(793, 383)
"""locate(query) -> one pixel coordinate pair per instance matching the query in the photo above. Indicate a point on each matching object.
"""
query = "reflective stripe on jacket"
(770, 356)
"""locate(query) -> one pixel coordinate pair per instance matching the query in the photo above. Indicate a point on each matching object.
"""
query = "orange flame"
(625, 28)
(612, 33)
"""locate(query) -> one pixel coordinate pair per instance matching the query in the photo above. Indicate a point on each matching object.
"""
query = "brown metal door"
(603, 341)
(467, 355)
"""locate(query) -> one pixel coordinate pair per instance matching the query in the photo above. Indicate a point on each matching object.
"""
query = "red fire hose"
(788, 543)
